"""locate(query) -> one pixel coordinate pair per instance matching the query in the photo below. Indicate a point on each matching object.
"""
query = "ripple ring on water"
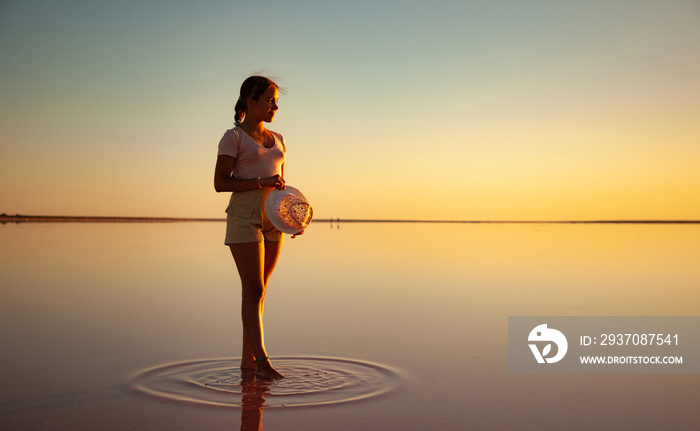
(310, 381)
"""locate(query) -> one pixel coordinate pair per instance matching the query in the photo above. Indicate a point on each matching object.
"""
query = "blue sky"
(392, 109)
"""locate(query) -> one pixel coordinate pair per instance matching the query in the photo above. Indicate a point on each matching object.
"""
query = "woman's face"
(264, 108)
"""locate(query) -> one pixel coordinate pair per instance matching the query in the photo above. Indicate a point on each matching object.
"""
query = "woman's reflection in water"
(253, 392)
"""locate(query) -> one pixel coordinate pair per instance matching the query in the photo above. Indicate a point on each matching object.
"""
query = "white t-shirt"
(252, 159)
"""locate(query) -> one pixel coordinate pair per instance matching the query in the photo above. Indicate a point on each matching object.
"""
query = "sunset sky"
(447, 110)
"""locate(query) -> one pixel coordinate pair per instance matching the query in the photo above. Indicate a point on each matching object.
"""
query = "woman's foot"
(264, 371)
(248, 365)
(247, 375)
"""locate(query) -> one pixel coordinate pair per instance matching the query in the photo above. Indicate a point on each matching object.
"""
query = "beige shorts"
(246, 220)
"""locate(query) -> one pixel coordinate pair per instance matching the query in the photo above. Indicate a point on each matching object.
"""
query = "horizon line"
(610, 221)
(18, 218)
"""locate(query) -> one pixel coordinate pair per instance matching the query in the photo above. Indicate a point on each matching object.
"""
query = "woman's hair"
(254, 87)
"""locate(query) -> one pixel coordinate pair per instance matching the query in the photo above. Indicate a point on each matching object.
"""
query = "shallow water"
(408, 321)
(308, 382)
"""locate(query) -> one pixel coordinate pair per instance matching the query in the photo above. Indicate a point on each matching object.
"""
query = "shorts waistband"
(255, 192)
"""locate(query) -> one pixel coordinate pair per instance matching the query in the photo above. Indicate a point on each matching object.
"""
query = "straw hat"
(288, 210)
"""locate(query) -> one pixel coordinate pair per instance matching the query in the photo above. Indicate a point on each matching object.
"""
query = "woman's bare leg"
(255, 263)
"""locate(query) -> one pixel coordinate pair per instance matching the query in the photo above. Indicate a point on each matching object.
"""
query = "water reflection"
(395, 294)
(310, 381)
(252, 401)
(335, 223)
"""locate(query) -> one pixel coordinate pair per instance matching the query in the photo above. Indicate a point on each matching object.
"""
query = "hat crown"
(295, 211)
(288, 210)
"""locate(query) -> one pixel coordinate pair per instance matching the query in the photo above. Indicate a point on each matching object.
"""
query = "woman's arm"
(224, 182)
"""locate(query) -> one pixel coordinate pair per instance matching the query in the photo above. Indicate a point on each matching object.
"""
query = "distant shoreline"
(515, 221)
(18, 218)
(4, 218)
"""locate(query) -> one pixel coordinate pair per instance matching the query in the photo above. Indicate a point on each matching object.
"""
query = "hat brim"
(271, 211)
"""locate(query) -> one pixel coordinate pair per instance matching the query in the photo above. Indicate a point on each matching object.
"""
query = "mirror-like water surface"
(86, 307)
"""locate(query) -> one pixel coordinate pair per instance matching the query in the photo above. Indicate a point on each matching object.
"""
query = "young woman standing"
(250, 164)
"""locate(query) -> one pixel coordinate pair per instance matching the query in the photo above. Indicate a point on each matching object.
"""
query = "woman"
(250, 164)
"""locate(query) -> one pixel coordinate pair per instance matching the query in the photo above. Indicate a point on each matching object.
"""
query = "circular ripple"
(309, 382)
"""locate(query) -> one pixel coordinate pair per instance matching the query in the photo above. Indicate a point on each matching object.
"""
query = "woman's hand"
(275, 181)
(298, 233)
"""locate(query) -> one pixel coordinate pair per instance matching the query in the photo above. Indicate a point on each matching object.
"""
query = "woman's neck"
(253, 126)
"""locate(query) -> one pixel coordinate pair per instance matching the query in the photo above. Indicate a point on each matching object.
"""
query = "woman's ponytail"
(240, 111)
